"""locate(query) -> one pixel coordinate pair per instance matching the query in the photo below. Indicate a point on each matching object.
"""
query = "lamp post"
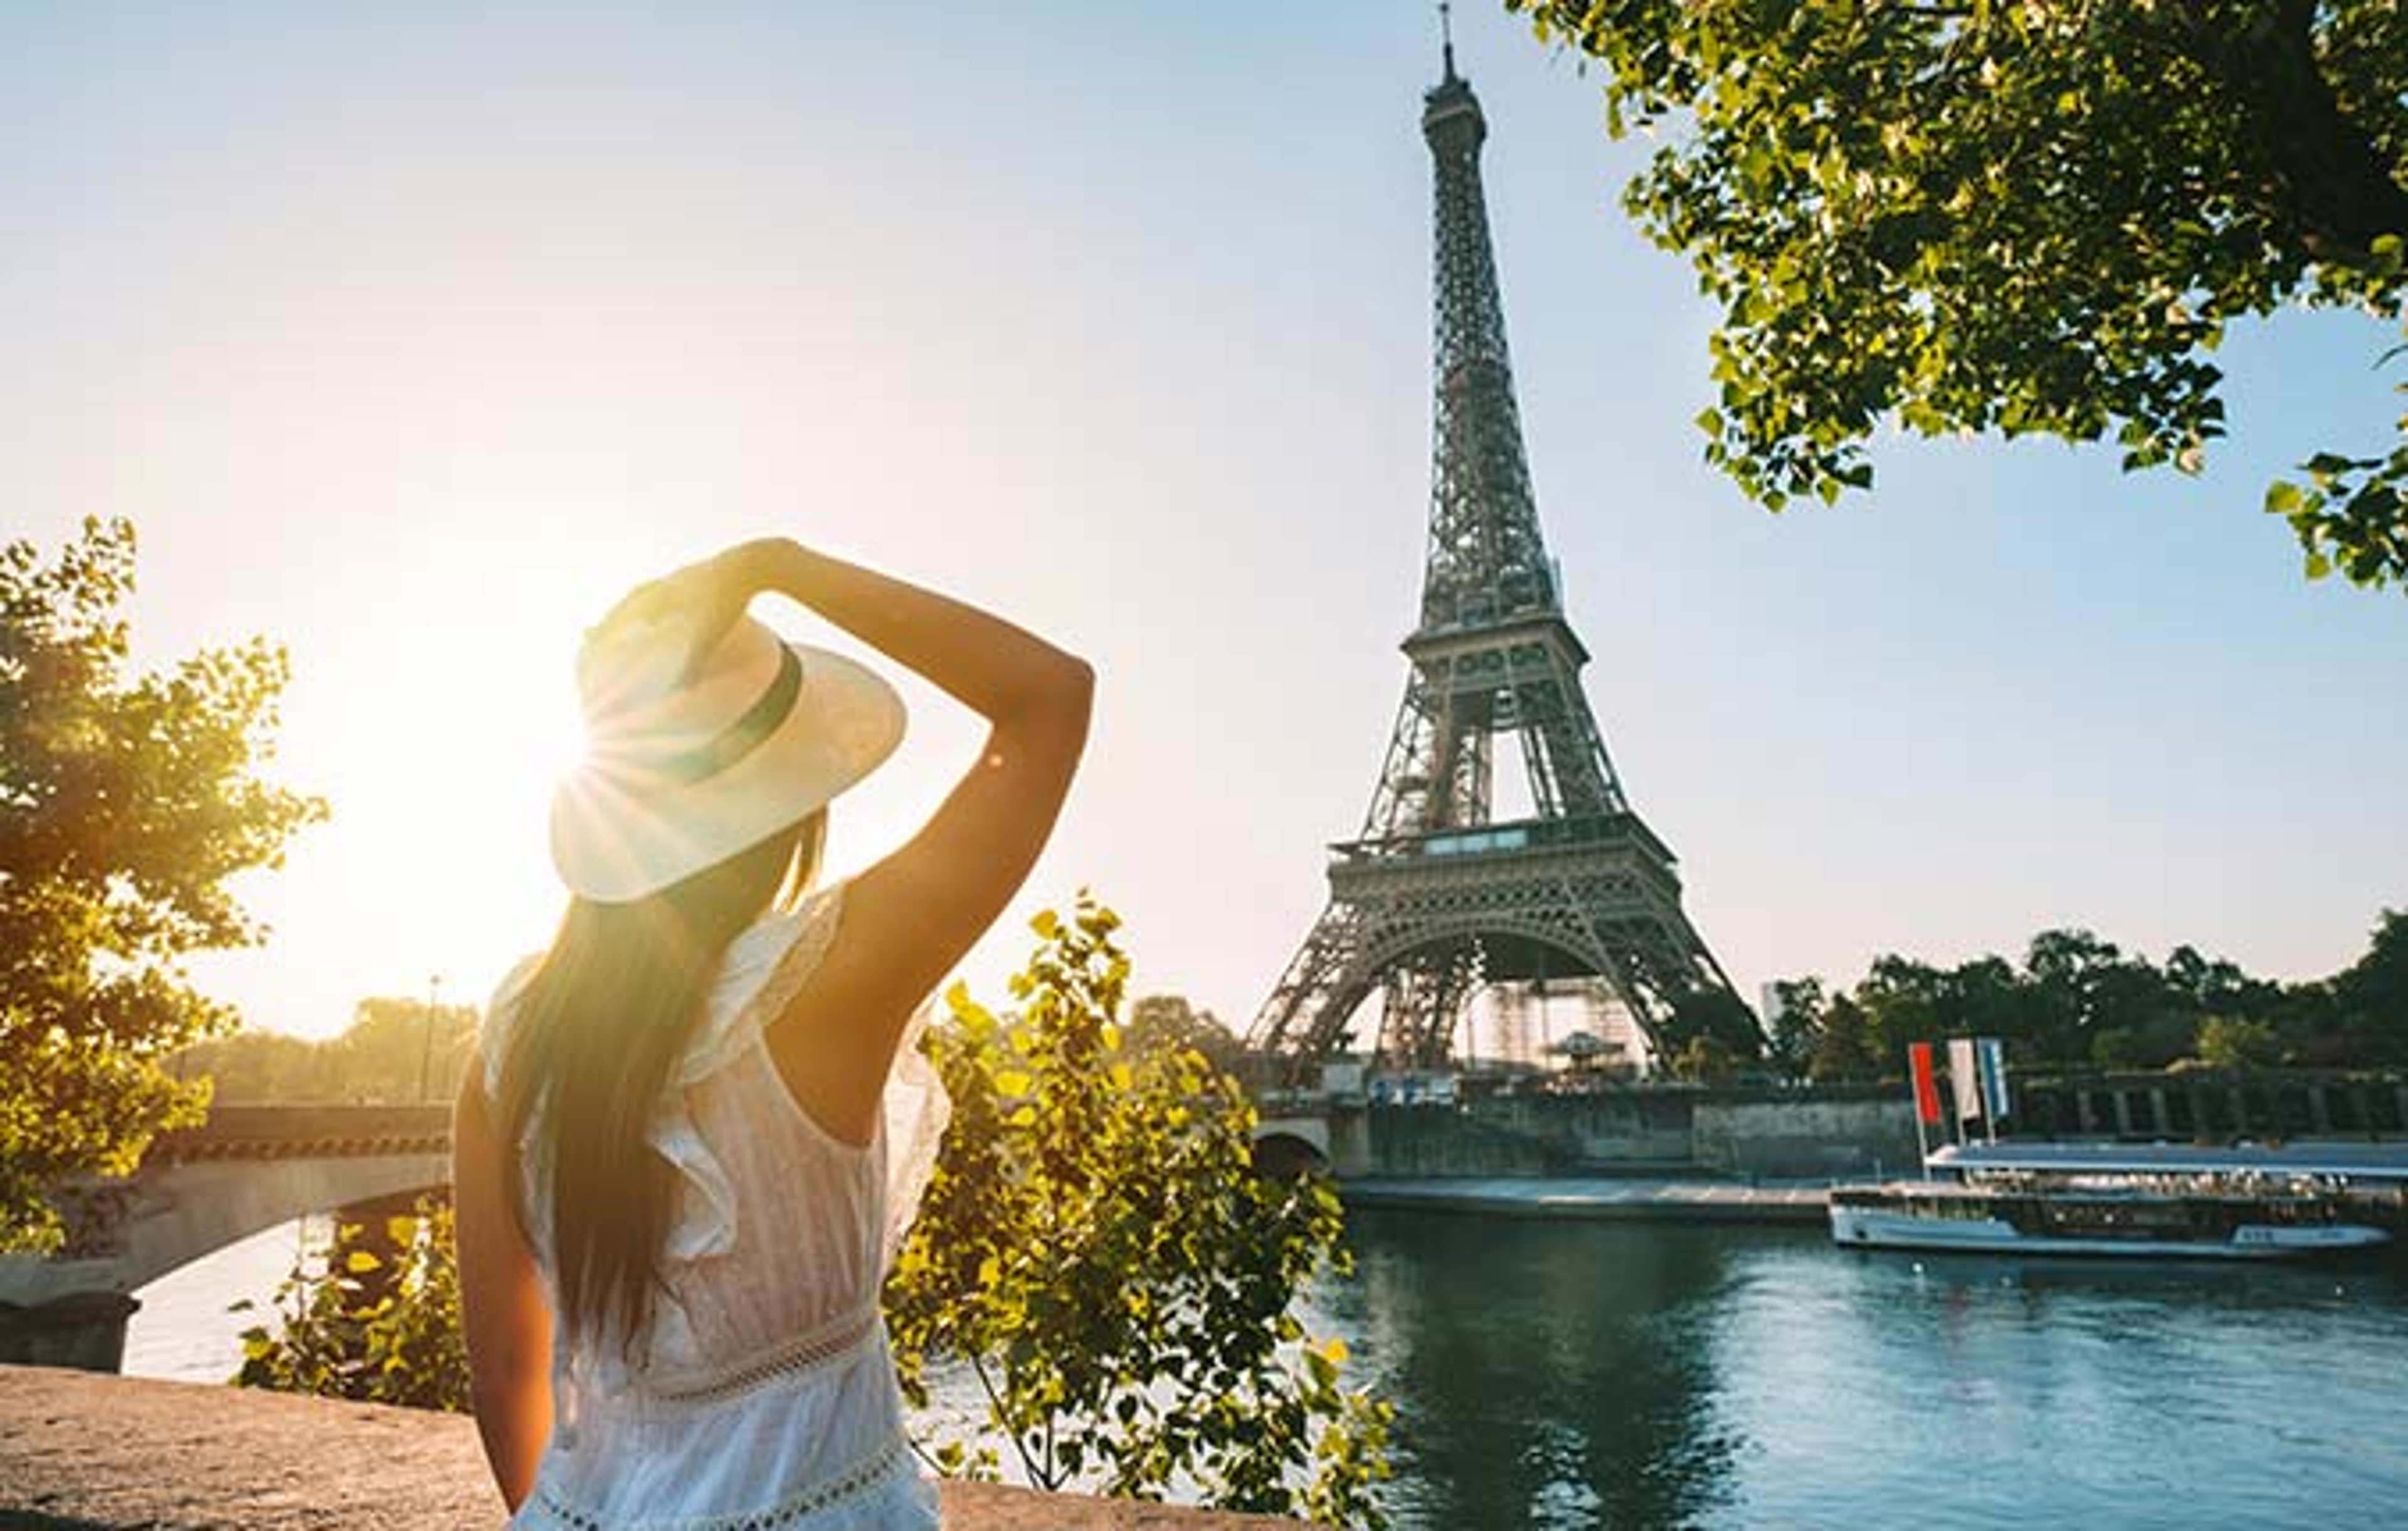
(426, 1033)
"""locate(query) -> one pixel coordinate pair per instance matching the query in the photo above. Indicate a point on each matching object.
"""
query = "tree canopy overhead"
(2033, 217)
(126, 803)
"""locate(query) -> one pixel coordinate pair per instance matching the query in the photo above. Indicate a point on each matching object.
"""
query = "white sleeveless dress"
(764, 1396)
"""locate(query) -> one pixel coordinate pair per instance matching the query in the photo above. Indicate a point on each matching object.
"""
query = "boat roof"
(2358, 1160)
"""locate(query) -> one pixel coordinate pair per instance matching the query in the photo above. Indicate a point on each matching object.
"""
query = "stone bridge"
(1295, 1140)
(247, 1170)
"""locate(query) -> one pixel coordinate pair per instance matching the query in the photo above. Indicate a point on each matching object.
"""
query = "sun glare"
(437, 742)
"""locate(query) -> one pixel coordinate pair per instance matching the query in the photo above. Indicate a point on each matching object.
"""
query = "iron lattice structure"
(1437, 898)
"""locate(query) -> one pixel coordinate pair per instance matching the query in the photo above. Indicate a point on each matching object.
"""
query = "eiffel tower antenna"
(1446, 33)
(1438, 897)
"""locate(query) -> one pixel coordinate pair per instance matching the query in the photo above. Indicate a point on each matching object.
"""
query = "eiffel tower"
(1438, 899)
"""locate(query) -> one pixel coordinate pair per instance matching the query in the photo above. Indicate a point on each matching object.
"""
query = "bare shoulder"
(832, 1039)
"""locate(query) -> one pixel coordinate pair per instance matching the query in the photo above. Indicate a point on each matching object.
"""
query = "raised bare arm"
(907, 920)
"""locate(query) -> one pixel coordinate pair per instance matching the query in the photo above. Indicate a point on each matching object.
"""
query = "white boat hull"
(1873, 1228)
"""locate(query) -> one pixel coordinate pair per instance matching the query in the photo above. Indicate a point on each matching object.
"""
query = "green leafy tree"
(1798, 1007)
(394, 1051)
(2229, 1042)
(1988, 999)
(2372, 994)
(2070, 976)
(2214, 986)
(126, 804)
(1714, 1016)
(1847, 1047)
(2039, 217)
(1705, 1060)
(373, 1315)
(399, 1049)
(1168, 1021)
(2358, 1017)
(258, 1067)
(1903, 1001)
(1096, 1253)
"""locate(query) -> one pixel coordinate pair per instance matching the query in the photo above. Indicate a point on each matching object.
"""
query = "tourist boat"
(2154, 1202)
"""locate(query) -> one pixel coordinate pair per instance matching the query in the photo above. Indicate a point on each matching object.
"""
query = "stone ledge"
(80, 1452)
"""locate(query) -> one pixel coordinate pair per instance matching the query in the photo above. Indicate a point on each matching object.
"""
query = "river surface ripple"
(1574, 1375)
(1562, 1375)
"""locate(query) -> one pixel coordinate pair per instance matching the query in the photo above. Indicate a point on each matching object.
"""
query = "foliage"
(2361, 1014)
(1823, 1037)
(1168, 1021)
(2017, 217)
(1707, 1034)
(1798, 1007)
(369, 1317)
(1705, 1060)
(1096, 1251)
(1847, 1046)
(126, 804)
(2226, 1043)
(2077, 1000)
(394, 1051)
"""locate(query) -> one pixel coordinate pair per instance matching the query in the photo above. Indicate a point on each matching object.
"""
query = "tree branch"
(2331, 183)
(1002, 1416)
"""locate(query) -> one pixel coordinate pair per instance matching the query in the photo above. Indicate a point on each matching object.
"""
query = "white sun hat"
(682, 773)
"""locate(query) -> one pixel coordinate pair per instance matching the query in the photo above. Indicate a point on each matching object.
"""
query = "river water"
(1566, 1374)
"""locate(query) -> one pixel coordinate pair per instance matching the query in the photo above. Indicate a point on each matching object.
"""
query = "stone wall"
(1627, 1129)
(1674, 1131)
(1792, 1137)
(1437, 1140)
(1838, 1130)
(83, 1452)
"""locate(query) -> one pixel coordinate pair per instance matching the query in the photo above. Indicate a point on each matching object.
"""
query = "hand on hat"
(704, 597)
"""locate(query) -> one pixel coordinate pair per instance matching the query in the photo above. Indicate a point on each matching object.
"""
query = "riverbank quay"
(82, 1451)
(1605, 1199)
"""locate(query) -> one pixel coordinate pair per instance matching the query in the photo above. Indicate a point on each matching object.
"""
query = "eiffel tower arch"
(1438, 899)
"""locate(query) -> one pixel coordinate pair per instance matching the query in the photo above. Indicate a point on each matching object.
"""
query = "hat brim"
(613, 843)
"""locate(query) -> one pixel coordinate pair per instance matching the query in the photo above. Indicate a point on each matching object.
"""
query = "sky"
(410, 335)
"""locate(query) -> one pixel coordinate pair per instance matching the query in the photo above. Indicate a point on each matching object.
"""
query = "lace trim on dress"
(890, 1461)
(824, 1345)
